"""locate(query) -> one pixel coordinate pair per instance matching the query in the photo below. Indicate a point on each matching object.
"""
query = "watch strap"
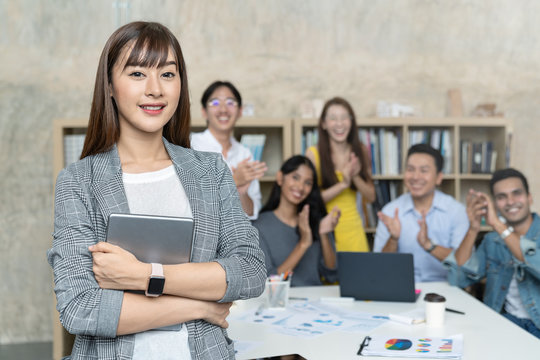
(431, 248)
(157, 269)
(156, 281)
(507, 232)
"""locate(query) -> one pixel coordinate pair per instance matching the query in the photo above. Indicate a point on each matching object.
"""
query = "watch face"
(155, 286)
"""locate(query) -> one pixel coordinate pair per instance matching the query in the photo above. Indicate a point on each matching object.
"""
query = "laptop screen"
(376, 276)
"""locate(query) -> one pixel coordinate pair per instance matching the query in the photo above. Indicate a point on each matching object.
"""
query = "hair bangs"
(151, 49)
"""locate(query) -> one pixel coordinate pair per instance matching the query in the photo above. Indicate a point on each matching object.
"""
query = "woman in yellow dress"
(343, 169)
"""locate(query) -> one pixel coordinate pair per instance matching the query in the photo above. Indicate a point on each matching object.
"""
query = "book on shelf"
(73, 145)
(446, 151)
(309, 138)
(255, 144)
(477, 157)
(384, 149)
(385, 191)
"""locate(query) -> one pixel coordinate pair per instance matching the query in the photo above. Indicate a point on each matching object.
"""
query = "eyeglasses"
(215, 103)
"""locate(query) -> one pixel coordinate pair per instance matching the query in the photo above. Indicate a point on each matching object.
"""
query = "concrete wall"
(277, 52)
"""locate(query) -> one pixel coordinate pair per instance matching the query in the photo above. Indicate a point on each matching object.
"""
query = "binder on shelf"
(476, 158)
(255, 143)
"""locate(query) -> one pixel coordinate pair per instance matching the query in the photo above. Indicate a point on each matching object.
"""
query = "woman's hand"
(352, 168)
(330, 221)
(356, 165)
(116, 268)
(306, 237)
(216, 313)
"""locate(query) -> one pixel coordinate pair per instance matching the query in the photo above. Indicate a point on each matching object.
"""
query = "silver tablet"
(152, 239)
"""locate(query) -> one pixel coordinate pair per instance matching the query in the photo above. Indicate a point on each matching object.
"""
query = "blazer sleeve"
(85, 308)
(238, 247)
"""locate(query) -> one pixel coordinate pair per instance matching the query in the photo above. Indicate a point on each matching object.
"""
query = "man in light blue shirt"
(424, 221)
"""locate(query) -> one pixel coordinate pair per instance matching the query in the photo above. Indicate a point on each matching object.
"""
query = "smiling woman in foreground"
(136, 159)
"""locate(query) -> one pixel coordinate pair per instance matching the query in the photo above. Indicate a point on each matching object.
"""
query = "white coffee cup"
(435, 307)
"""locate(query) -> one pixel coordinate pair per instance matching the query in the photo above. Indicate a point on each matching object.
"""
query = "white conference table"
(486, 334)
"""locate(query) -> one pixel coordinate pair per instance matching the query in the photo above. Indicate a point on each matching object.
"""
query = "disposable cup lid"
(434, 297)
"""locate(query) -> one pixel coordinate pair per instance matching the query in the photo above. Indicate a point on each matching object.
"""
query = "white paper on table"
(450, 347)
(309, 319)
(242, 347)
(416, 316)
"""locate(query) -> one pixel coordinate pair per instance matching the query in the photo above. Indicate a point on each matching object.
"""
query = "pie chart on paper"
(398, 344)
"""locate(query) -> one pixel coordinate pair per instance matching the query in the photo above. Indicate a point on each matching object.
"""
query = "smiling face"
(146, 97)
(421, 176)
(222, 111)
(337, 123)
(512, 200)
(296, 185)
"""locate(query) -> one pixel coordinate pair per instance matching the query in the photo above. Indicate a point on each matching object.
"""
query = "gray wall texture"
(277, 52)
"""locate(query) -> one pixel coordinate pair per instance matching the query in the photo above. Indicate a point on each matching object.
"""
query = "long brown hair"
(328, 172)
(150, 44)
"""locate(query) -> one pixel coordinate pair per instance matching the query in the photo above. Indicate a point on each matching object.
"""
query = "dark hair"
(150, 44)
(317, 209)
(505, 174)
(217, 84)
(328, 172)
(431, 151)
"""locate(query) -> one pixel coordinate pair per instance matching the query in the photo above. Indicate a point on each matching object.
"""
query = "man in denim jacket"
(509, 257)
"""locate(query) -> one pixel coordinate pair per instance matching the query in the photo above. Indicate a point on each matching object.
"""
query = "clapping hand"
(392, 223)
(306, 237)
(246, 171)
(330, 221)
(422, 236)
(352, 168)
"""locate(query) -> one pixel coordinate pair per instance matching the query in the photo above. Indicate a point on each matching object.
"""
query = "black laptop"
(376, 276)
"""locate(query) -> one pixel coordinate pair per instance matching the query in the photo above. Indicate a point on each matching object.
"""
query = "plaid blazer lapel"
(190, 174)
(108, 187)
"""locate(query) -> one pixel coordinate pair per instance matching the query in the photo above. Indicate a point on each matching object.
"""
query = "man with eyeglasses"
(222, 107)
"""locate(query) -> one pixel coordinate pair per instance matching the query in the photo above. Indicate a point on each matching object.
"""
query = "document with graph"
(450, 347)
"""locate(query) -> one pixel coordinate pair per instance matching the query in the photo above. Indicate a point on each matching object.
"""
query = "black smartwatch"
(433, 246)
(156, 281)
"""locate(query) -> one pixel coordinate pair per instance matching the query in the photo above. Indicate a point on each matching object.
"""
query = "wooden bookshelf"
(62, 340)
(455, 183)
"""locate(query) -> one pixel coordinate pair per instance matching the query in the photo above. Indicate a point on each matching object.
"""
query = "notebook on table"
(376, 276)
(152, 239)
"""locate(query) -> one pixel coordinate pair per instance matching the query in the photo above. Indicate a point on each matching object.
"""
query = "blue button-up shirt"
(447, 225)
(495, 262)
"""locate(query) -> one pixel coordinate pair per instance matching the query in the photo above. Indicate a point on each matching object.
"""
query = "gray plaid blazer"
(88, 191)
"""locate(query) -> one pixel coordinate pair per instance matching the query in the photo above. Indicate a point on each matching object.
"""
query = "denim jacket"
(494, 261)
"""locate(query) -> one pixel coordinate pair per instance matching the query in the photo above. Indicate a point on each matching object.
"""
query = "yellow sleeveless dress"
(349, 232)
